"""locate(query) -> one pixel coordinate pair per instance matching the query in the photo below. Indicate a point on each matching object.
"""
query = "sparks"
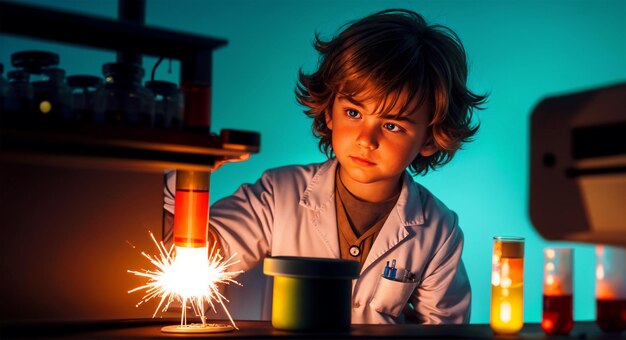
(189, 276)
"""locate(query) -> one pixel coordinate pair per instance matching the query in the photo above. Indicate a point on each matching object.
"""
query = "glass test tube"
(507, 285)
(611, 288)
(191, 209)
(557, 312)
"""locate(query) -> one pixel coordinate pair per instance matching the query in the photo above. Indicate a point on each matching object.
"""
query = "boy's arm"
(444, 295)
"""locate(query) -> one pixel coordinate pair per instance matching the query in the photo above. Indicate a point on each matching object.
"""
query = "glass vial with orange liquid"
(507, 285)
(557, 312)
(611, 288)
(191, 209)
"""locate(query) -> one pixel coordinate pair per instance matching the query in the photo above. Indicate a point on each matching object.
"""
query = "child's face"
(373, 149)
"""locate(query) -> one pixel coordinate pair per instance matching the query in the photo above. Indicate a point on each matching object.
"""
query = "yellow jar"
(311, 294)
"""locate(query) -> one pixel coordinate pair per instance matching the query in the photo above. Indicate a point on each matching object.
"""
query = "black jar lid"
(310, 267)
(34, 61)
(160, 86)
(83, 81)
(123, 70)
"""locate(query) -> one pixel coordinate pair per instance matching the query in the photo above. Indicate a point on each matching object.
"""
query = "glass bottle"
(51, 96)
(507, 285)
(557, 308)
(83, 88)
(20, 96)
(611, 288)
(122, 100)
(168, 104)
(4, 89)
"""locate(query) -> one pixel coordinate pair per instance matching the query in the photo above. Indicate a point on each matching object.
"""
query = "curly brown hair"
(384, 55)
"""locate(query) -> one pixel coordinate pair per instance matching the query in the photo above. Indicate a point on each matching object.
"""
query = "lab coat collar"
(321, 191)
(408, 212)
(319, 196)
(409, 207)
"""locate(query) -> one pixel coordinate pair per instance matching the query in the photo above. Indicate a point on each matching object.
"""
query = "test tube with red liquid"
(191, 210)
(611, 288)
(557, 313)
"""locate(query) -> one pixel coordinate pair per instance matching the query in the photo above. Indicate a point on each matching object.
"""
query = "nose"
(367, 138)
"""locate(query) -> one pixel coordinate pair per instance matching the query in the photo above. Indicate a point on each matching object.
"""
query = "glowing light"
(547, 324)
(187, 275)
(495, 278)
(505, 311)
(600, 272)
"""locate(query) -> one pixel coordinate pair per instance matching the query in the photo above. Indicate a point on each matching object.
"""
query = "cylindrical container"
(311, 294)
(191, 209)
(4, 88)
(83, 88)
(197, 108)
(611, 288)
(507, 285)
(19, 100)
(168, 104)
(557, 313)
(122, 100)
(51, 96)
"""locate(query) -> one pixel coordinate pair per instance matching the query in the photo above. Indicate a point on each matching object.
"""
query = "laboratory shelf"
(143, 148)
(122, 146)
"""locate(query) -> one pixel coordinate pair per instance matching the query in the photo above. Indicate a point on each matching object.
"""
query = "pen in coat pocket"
(391, 273)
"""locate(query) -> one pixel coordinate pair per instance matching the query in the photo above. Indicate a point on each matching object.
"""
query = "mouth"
(362, 161)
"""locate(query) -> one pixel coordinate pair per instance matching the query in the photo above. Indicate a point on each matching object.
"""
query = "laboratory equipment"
(611, 288)
(48, 159)
(191, 209)
(168, 104)
(19, 101)
(51, 95)
(507, 285)
(4, 87)
(122, 100)
(578, 166)
(83, 89)
(311, 294)
(557, 307)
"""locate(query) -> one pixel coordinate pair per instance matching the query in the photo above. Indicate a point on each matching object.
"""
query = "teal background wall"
(519, 52)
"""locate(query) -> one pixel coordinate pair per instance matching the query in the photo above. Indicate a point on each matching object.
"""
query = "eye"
(353, 113)
(392, 127)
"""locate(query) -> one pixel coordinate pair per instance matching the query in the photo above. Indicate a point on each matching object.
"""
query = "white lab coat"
(290, 211)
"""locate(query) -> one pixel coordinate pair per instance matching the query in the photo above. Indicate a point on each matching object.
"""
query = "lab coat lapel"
(407, 212)
(319, 199)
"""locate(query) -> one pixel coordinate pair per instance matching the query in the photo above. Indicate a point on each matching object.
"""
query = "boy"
(390, 93)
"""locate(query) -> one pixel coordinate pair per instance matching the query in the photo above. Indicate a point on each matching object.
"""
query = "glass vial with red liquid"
(507, 285)
(611, 288)
(557, 312)
(191, 209)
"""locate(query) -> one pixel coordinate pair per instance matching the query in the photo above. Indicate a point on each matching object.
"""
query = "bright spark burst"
(189, 276)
